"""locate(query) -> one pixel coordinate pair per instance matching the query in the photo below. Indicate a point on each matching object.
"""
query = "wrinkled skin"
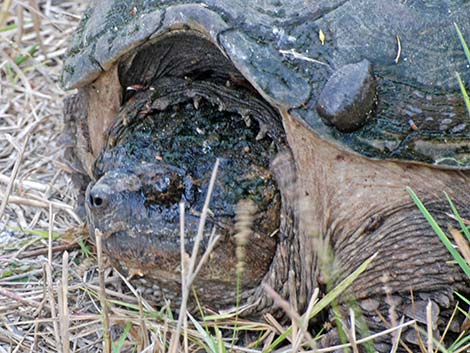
(362, 207)
(337, 207)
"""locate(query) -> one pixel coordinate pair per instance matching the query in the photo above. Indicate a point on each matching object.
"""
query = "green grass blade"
(41, 233)
(462, 41)
(459, 219)
(464, 92)
(467, 54)
(279, 340)
(14, 26)
(23, 58)
(220, 341)
(459, 344)
(442, 236)
(211, 344)
(86, 250)
(8, 28)
(462, 298)
(340, 288)
(327, 299)
(118, 346)
(464, 312)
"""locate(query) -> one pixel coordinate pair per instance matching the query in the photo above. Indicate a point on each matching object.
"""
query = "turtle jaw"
(153, 261)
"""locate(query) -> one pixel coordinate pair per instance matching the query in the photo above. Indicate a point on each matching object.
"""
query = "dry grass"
(36, 195)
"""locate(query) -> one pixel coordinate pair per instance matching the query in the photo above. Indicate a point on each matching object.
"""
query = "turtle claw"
(197, 102)
(263, 129)
(247, 120)
(419, 312)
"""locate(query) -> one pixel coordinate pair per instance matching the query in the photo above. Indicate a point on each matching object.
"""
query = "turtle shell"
(307, 58)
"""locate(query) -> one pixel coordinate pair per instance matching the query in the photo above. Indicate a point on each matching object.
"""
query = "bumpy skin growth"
(144, 68)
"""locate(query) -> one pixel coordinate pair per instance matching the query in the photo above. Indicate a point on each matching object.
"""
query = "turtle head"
(165, 158)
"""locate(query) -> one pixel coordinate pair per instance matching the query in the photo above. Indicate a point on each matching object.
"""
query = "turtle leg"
(399, 322)
(74, 139)
(411, 280)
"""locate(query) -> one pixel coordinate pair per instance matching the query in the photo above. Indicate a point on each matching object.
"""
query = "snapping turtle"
(321, 113)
